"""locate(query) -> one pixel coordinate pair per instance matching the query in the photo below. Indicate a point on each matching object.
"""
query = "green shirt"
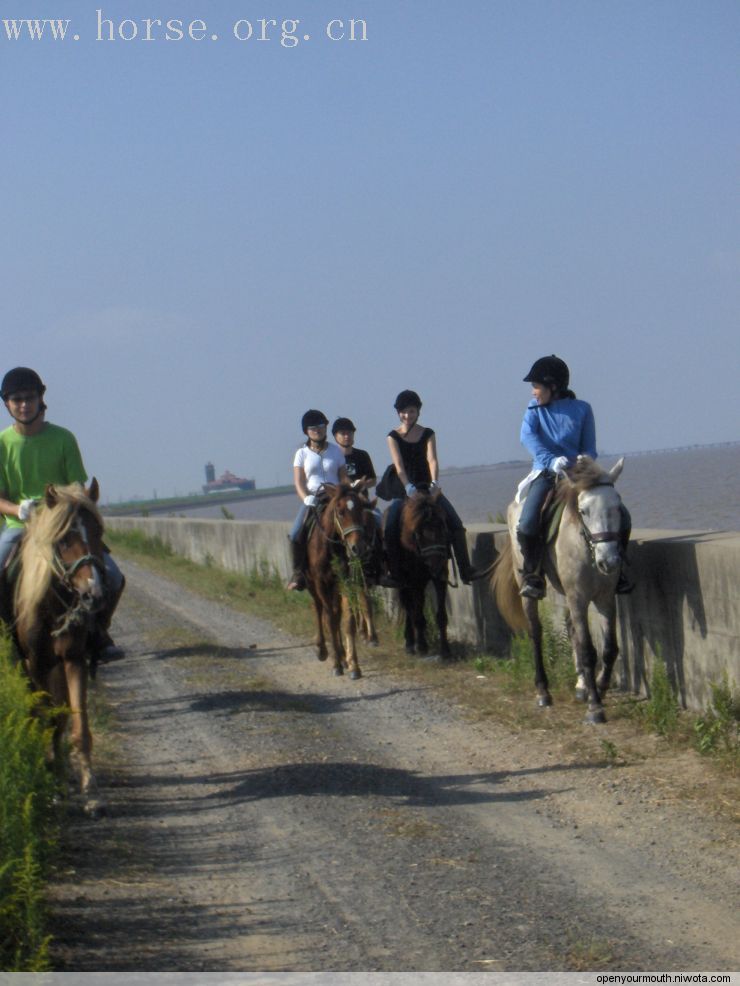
(29, 462)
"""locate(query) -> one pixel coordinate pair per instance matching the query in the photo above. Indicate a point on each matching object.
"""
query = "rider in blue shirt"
(556, 429)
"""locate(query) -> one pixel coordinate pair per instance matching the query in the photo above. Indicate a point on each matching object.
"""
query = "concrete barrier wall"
(684, 611)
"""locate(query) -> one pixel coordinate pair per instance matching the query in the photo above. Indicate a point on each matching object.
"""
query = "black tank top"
(414, 456)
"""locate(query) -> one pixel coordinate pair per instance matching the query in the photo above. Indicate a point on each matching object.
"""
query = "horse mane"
(46, 526)
(584, 475)
(416, 509)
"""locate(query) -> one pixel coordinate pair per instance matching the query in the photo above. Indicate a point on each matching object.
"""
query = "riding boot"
(391, 577)
(468, 574)
(298, 553)
(624, 586)
(103, 649)
(533, 585)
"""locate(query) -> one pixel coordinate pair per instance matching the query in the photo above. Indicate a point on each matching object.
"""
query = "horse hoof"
(374, 642)
(410, 649)
(321, 657)
(581, 694)
(338, 672)
(96, 809)
(354, 675)
(595, 717)
(544, 701)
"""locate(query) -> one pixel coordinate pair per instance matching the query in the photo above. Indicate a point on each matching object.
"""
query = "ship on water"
(227, 483)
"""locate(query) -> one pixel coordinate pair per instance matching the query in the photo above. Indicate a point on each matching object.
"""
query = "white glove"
(310, 500)
(434, 485)
(410, 489)
(560, 464)
(25, 509)
(355, 483)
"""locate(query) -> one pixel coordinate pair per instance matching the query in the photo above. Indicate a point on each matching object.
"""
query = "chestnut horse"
(582, 563)
(58, 594)
(339, 546)
(425, 551)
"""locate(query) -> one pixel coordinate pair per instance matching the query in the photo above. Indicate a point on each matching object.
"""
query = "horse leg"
(349, 625)
(532, 614)
(75, 670)
(581, 690)
(586, 659)
(334, 610)
(368, 621)
(420, 620)
(407, 603)
(320, 640)
(440, 589)
(608, 622)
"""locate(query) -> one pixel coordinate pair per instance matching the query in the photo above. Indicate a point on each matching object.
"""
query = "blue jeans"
(298, 523)
(529, 519)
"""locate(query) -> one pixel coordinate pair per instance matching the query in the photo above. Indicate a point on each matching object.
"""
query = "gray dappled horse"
(582, 563)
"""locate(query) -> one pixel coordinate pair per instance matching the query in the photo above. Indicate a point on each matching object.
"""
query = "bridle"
(592, 538)
(83, 607)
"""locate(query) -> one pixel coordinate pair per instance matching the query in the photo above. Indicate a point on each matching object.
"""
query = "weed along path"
(267, 816)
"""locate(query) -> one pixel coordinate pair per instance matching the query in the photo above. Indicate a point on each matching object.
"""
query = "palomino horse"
(582, 563)
(338, 546)
(425, 550)
(59, 592)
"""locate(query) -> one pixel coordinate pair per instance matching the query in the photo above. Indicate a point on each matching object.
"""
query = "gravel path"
(267, 816)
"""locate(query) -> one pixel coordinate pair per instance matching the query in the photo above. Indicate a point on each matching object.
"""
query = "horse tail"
(506, 590)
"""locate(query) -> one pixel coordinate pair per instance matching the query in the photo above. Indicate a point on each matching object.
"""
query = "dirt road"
(267, 816)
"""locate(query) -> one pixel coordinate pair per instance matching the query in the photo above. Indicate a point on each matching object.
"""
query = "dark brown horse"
(425, 551)
(59, 592)
(339, 546)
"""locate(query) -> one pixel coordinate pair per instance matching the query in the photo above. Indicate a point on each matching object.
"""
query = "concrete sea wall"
(685, 610)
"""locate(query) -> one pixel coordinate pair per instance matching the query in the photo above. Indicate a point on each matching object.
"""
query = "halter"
(81, 612)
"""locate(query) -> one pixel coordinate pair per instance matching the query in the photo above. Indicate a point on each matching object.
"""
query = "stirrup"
(533, 587)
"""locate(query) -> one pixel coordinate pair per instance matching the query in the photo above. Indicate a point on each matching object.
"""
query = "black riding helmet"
(313, 417)
(550, 371)
(21, 378)
(342, 424)
(407, 398)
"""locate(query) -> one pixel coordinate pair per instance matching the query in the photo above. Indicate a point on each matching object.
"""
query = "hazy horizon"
(204, 238)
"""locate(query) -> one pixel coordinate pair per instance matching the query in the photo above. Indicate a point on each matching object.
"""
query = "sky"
(201, 238)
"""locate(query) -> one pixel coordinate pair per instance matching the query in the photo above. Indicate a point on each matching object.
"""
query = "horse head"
(591, 493)
(346, 518)
(424, 532)
(75, 530)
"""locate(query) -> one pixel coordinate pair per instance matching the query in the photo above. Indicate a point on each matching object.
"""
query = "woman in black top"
(413, 452)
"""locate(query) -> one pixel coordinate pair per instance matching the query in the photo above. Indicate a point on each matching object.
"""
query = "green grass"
(28, 822)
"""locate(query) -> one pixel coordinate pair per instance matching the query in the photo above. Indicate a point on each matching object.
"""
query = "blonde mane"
(46, 527)
(583, 476)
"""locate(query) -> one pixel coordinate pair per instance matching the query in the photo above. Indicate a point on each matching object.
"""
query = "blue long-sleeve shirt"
(564, 427)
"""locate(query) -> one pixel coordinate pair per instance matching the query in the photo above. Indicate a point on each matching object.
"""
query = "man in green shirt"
(34, 453)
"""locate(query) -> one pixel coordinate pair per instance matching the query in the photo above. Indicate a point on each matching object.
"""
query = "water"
(694, 489)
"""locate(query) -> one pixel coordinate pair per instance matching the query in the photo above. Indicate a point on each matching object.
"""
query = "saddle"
(550, 517)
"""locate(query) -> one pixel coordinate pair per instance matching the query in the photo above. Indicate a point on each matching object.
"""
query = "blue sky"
(201, 239)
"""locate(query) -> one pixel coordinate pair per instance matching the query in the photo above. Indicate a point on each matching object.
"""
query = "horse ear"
(616, 470)
(93, 490)
(50, 495)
